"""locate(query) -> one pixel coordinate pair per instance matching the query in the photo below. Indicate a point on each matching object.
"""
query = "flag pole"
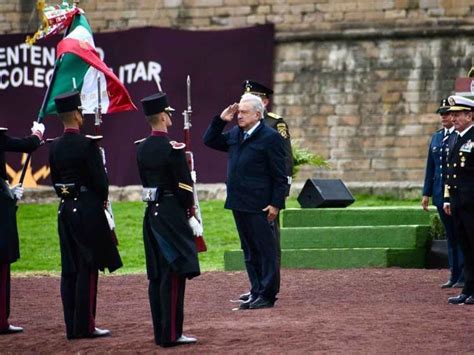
(45, 101)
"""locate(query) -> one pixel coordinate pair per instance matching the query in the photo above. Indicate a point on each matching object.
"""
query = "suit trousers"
(166, 295)
(462, 211)
(4, 295)
(258, 242)
(455, 255)
(79, 297)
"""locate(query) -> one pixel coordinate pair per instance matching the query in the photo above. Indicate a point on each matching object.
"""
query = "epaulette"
(439, 130)
(139, 141)
(3, 129)
(51, 140)
(177, 145)
(94, 138)
(273, 115)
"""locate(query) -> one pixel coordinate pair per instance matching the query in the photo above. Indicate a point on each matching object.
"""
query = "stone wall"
(357, 80)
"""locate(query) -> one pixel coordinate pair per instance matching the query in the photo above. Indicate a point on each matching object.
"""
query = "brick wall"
(357, 80)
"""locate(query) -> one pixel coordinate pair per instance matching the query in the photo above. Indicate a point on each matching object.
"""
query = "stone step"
(338, 258)
(354, 216)
(403, 236)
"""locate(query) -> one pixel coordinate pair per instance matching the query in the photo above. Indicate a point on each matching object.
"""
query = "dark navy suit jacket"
(436, 170)
(256, 173)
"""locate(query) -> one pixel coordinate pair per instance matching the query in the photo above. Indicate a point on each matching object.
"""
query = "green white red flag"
(79, 66)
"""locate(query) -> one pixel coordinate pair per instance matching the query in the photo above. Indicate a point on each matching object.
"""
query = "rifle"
(97, 122)
(196, 210)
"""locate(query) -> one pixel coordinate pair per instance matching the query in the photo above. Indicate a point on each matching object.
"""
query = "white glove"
(17, 191)
(195, 226)
(102, 153)
(37, 127)
(110, 219)
(193, 176)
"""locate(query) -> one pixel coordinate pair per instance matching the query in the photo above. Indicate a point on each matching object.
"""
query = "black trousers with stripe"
(4, 296)
(79, 297)
(166, 295)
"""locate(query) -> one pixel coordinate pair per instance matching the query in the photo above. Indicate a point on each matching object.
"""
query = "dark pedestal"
(437, 257)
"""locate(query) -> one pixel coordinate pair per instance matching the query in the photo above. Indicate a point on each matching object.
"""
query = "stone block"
(172, 3)
(199, 12)
(256, 19)
(385, 4)
(391, 97)
(203, 3)
(263, 9)
(429, 4)
(395, 14)
(284, 77)
(302, 9)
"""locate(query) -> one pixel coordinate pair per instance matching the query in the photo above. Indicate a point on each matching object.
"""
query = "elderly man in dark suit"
(256, 190)
(441, 143)
(276, 122)
(9, 245)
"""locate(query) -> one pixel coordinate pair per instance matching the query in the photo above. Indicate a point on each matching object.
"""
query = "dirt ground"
(335, 311)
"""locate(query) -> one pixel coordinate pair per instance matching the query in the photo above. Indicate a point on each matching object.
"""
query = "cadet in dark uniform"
(459, 191)
(441, 144)
(170, 249)
(9, 245)
(87, 245)
(276, 122)
(256, 190)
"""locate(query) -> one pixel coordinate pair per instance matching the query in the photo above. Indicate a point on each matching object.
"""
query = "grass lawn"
(39, 244)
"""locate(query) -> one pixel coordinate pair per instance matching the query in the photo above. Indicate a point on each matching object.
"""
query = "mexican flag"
(79, 67)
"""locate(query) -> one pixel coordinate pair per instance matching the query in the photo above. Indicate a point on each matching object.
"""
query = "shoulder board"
(273, 115)
(94, 138)
(139, 141)
(51, 140)
(3, 129)
(440, 130)
(177, 145)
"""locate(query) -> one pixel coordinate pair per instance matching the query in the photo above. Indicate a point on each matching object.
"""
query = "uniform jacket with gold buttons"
(460, 178)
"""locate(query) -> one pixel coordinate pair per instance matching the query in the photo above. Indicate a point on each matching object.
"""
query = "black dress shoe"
(98, 333)
(246, 304)
(448, 284)
(182, 340)
(469, 300)
(244, 296)
(458, 299)
(459, 284)
(12, 330)
(261, 302)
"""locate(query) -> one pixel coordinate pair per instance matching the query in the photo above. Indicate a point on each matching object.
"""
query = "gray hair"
(255, 101)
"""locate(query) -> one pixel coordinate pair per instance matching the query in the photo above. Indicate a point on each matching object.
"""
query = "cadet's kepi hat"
(443, 107)
(67, 102)
(156, 103)
(255, 88)
(460, 103)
